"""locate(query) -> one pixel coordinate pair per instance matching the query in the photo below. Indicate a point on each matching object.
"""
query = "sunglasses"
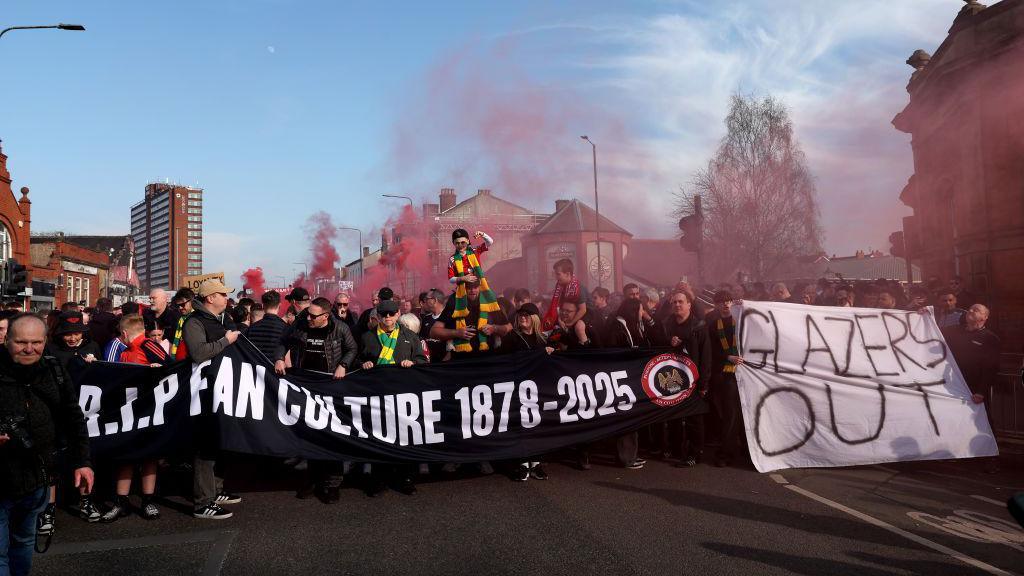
(462, 243)
(314, 316)
(389, 314)
(342, 304)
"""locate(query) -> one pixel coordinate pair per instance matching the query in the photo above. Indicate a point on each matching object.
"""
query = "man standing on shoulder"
(207, 332)
(39, 407)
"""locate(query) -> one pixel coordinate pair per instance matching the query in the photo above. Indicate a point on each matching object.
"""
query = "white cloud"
(838, 66)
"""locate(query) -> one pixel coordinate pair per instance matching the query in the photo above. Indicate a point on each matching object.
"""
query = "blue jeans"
(18, 531)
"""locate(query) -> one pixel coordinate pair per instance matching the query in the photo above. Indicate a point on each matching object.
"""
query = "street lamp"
(400, 197)
(360, 249)
(597, 210)
(77, 27)
(305, 268)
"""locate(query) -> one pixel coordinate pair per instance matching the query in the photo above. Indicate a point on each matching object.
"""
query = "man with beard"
(947, 312)
(164, 315)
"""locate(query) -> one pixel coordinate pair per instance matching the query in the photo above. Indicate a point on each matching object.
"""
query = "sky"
(279, 109)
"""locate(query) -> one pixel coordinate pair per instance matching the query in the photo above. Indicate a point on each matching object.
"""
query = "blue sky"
(281, 108)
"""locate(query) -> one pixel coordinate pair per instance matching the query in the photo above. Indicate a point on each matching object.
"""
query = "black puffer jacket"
(339, 346)
(44, 399)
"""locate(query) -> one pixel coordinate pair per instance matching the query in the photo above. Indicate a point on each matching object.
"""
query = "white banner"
(826, 386)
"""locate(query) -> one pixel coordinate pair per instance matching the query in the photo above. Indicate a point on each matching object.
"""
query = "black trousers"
(725, 398)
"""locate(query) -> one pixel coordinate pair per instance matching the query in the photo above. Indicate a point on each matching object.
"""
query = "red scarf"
(571, 290)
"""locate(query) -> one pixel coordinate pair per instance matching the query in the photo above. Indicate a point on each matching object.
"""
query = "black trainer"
(227, 498)
(522, 473)
(120, 509)
(46, 521)
(538, 472)
(211, 512)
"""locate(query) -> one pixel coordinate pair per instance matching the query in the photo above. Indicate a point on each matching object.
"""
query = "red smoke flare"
(252, 279)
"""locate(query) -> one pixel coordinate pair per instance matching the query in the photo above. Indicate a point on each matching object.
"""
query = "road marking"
(901, 532)
(779, 478)
(989, 500)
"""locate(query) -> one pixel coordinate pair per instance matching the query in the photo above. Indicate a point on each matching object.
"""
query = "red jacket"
(142, 350)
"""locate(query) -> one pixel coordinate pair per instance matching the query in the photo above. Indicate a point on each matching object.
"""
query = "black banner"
(495, 408)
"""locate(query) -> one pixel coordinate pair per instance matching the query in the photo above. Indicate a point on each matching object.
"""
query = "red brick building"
(15, 220)
(78, 274)
(966, 116)
(167, 231)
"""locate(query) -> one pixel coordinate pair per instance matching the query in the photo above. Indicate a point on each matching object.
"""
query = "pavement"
(931, 518)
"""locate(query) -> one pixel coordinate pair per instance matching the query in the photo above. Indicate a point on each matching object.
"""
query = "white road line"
(779, 478)
(901, 532)
(989, 500)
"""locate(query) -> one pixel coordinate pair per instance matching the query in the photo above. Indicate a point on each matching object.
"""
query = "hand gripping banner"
(494, 408)
(825, 386)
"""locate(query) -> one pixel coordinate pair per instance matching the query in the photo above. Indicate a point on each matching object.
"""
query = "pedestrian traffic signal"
(897, 244)
(17, 278)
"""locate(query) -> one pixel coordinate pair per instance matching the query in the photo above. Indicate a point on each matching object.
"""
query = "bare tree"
(759, 201)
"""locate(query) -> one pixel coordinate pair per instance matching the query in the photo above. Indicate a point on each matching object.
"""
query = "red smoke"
(322, 253)
(252, 279)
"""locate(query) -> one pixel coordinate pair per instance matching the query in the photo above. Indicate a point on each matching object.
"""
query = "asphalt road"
(911, 518)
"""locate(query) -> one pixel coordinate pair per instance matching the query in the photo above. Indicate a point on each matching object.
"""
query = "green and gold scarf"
(488, 301)
(388, 340)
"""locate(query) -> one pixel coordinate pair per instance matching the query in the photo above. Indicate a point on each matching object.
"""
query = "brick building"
(15, 219)
(167, 229)
(76, 273)
(966, 117)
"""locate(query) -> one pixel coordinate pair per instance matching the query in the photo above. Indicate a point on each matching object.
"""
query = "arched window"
(6, 240)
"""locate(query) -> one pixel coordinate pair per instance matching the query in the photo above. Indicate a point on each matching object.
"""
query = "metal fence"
(1008, 400)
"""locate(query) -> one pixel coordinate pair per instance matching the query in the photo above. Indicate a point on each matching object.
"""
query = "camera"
(14, 426)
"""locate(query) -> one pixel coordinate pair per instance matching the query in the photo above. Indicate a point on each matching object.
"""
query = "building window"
(195, 210)
(195, 249)
(195, 240)
(6, 242)
(195, 218)
(193, 226)
(195, 234)
(70, 285)
(85, 291)
(77, 294)
(196, 257)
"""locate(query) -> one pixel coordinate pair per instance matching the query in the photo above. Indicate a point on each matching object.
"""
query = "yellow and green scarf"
(388, 340)
(488, 301)
(729, 348)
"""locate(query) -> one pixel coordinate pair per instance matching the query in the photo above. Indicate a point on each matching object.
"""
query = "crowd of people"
(302, 332)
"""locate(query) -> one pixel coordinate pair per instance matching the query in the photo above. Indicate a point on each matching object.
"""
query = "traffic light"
(691, 227)
(17, 278)
(897, 245)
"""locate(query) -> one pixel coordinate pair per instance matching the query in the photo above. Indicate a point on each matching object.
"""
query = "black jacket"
(617, 335)
(516, 341)
(408, 347)
(103, 327)
(266, 335)
(977, 355)
(695, 344)
(43, 398)
(64, 354)
(339, 346)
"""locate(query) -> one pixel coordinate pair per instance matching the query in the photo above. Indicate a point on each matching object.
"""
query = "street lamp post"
(597, 211)
(401, 197)
(360, 249)
(77, 27)
(305, 268)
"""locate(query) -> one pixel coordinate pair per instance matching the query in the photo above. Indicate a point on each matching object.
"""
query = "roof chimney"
(366, 251)
(430, 209)
(447, 199)
(559, 204)
(483, 192)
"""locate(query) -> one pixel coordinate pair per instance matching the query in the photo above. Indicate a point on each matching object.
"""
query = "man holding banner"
(207, 332)
(687, 334)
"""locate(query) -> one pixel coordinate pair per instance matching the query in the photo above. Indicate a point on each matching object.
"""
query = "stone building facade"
(966, 117)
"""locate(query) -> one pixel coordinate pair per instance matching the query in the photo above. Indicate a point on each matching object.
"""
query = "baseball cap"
(213, 286)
